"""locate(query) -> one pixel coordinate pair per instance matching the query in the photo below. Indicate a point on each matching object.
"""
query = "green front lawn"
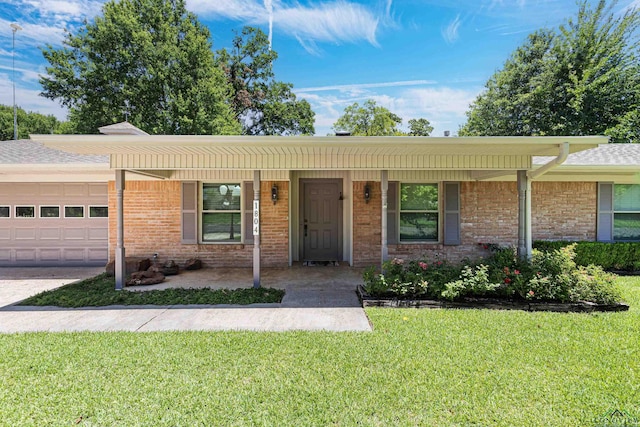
(100, 291)
(418, 367)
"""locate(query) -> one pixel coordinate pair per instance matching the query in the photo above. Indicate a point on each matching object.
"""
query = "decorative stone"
(170, 268)
(148, 277)
(132, 264)
(193, 264)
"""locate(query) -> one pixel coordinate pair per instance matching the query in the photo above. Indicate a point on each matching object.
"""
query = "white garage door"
(53, 224)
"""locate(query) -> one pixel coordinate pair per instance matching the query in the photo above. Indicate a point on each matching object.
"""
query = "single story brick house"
(274, 201)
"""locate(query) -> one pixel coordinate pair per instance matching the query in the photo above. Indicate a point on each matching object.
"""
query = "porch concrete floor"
(317, 298)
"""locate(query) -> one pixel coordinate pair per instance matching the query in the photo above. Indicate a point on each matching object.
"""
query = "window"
(5, 212)
(74, 211)
(221, 213)
(418, 212)
(49, 211)
(25, 212)
(626, 212)
(98, 212)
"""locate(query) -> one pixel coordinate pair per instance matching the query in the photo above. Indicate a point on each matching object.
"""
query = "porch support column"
(524, 215)
(256, 235)
(120, 267)
(384, 185)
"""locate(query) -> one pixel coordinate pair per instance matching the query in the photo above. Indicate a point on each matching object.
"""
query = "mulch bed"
(488, 303)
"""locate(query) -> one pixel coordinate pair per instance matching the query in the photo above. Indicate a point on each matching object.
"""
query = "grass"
(100, 291)
(418, 367)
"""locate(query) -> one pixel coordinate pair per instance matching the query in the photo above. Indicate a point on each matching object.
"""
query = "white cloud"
(332, 22)
(443, 105)
(359, 86)
(29, 99)
(450, 33)
(64, 9)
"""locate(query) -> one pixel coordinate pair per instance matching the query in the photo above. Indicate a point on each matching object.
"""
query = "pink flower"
(485, 246)
(516, 272)
(506, 270)
(531, 293)
(423, 265)
(507, 280)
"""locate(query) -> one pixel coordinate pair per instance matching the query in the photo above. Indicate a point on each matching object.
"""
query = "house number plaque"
(256, 217)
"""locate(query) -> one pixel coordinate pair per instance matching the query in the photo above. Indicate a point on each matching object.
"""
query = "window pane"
(626, 226)
(4, 211)
(217, 197)
(98, 212)
(49, 212)
(221, 227)
(25, 212)
(418, 226)
(419, 197)
(626, 197)
(74, 211)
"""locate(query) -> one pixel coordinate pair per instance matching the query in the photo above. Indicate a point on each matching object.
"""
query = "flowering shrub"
(473, 281)
(549, 276)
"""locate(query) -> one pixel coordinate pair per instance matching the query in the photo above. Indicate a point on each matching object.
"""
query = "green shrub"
(473, 281)
(551, 275)
(594, 284)
(623, 256)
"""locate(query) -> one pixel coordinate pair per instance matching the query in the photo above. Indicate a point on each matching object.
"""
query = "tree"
(368, 120)
(420, 127)
(581, 79)
(28, 123)
(281, 113)
(263, 105)
(151, 58)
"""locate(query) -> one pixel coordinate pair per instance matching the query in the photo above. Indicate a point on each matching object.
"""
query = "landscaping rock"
(148, 277)
(170, 268)
(193, 264)
(132, 264)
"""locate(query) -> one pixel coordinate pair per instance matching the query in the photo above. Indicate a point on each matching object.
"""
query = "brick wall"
(564, 210)
(367, 224)
(152, 220)
(489, 214)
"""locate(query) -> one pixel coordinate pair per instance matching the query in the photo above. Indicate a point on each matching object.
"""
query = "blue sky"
(418, 58)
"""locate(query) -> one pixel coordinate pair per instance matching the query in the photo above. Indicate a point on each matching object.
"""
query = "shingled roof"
(603, 155)
(26, 151)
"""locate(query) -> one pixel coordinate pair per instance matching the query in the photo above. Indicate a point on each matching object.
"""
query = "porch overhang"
(189, 152)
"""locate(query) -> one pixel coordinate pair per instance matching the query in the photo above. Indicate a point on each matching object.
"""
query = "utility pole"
(15, 28)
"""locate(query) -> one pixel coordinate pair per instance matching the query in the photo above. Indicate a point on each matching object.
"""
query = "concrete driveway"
(317, 298)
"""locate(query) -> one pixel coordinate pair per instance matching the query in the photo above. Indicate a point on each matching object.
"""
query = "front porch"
(305, 286)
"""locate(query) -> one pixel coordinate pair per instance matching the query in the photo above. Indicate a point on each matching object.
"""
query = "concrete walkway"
(317, 298)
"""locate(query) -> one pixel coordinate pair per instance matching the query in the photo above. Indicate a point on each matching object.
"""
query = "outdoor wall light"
(274, 193)
(367, 193)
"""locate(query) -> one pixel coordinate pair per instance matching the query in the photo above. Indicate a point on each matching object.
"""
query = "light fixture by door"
(274, 193)
(367, 193)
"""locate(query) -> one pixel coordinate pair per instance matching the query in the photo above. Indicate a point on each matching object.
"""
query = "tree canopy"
(263, 105)
(151, 58)
(371, 119)
(582, 78)
(28, 122)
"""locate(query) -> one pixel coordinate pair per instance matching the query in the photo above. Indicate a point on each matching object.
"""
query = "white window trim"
(48, 217)
(15, 212)
(84, 213)
(8, 207)
(438, 212)
(97, 206)
(201, 211)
